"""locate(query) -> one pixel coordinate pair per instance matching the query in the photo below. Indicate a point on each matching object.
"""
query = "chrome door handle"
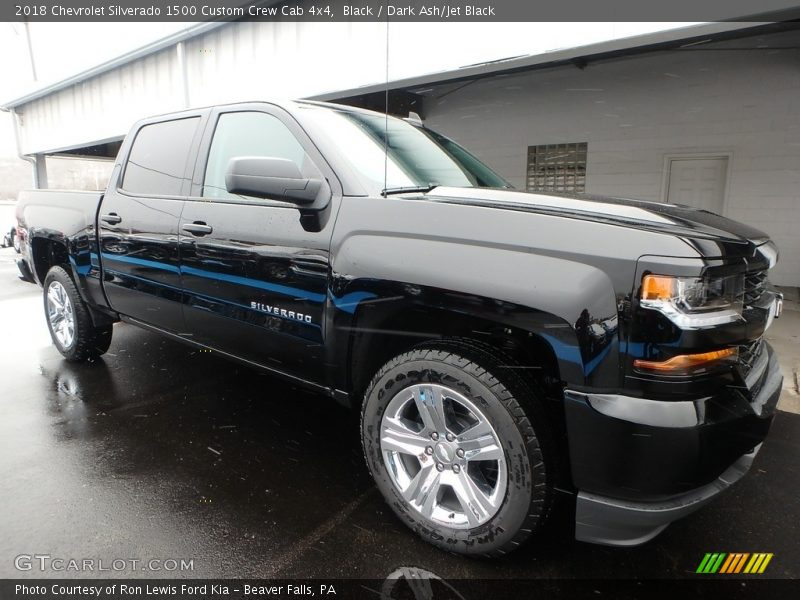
(197, 228)
(111, 218)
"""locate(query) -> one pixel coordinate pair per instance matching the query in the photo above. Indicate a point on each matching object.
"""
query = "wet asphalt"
(161, 451)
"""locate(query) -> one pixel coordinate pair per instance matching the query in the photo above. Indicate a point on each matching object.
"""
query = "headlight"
(693, 302)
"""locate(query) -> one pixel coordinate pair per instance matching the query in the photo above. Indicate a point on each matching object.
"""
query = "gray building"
(707, 116)
(712, 122)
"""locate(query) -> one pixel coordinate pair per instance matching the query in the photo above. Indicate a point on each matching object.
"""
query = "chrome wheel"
(443, 456)
(60, 314)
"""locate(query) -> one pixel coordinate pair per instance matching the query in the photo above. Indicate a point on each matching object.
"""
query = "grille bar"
(755, 284)
(748, 354)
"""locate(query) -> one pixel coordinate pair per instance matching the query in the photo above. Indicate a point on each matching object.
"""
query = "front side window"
(157, 161)
(247, 134)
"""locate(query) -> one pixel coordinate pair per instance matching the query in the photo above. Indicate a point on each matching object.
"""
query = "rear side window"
(247, 134)
(157, 161)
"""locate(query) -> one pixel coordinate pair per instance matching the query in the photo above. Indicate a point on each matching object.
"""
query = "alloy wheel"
(60, 314)
(444, 456)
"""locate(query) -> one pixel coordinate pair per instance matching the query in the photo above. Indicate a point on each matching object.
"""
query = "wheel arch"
(48, 252)
(378, 336)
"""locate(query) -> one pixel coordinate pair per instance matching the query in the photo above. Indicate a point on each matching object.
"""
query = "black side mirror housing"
(276, 179)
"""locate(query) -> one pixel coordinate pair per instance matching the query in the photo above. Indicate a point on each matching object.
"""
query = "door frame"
(198, 169)
(665, 172)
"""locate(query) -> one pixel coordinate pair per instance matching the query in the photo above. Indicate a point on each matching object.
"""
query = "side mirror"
(273, 178)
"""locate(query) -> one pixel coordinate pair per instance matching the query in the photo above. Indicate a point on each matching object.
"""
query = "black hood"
(682, 221)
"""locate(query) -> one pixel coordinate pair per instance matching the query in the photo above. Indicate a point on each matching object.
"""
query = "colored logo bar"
(734, 562)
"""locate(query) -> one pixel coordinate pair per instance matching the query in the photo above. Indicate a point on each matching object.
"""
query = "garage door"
(698, 182)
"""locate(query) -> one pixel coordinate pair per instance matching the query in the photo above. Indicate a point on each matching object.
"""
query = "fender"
(570, 305)
(67, 219)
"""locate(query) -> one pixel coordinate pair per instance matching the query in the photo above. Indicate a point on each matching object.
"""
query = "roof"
(288, 104)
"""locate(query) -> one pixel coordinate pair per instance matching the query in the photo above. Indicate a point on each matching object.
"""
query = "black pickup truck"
(500, 345)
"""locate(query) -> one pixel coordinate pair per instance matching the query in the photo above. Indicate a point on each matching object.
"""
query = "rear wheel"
(454, 453)
(71, 327)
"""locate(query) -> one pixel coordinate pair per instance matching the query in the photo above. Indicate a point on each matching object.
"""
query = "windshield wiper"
(409, 190)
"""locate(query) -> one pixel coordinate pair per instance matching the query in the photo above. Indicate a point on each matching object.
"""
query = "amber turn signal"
(658, 287)
(685, 362)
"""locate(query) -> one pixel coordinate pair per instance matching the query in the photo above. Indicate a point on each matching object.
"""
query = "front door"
(255, 278)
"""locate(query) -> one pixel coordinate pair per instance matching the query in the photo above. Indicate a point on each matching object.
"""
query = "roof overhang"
(579, 56)
(609, 49)
(147, 50)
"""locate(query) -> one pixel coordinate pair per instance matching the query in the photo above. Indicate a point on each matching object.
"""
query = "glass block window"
(557, 168)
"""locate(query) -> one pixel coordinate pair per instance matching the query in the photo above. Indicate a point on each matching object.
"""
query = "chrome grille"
(755, 284)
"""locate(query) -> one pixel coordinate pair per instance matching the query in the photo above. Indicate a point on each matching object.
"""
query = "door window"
(157, 161)
(247, 134)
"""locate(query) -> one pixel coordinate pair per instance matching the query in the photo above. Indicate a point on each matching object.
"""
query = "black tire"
(88, 341)
(477, 373)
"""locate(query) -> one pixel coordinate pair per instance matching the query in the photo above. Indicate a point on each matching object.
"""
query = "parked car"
(498, 344)
(10, 239)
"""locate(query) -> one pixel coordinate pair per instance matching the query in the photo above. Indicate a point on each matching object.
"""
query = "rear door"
(138, 222)
(254, 276)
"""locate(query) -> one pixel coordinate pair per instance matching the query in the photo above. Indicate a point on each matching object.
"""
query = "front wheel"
(71, 327)
(454, 453)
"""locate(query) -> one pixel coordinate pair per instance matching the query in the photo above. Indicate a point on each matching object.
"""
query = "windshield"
(417, 157)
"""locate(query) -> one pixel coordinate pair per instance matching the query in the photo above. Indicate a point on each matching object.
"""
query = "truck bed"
(66, 218)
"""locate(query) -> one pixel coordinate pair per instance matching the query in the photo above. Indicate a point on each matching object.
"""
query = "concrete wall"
(62, 173)
(268, 59)
(78, 173)
(15, 175)
(633, 112)
(240, 61)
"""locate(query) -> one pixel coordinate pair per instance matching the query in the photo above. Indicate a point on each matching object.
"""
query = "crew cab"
(500, 345)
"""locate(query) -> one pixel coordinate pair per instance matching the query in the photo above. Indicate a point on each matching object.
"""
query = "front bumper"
(640, 464)
(601, 520)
